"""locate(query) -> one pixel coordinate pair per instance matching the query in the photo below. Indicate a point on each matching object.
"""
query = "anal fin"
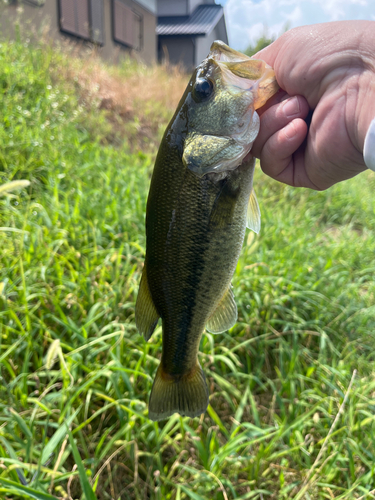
(146, 315)
(225, 314)
(253, 213)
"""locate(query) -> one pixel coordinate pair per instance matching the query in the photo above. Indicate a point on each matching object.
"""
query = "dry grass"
(139, 99)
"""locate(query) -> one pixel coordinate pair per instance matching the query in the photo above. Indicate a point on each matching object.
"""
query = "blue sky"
(248, 19)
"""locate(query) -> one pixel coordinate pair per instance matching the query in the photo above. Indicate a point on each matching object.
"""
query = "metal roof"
(201, 22)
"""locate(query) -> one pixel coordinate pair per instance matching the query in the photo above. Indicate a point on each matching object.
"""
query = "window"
(127, 25)
(74, 17)
(83, 18)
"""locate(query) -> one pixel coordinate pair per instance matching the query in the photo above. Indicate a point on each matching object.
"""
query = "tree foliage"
(260, 44)
(263, 41)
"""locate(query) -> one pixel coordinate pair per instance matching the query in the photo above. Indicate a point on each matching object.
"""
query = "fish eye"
(202, 90)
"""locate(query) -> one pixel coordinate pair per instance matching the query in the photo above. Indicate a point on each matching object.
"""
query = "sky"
(247, 20)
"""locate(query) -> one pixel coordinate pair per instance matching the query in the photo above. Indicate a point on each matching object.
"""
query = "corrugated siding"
(82, 22)
(123, 23)
(97, 21)
(129, 27)
(67, 16)
(138, 31)
(83, 18)
(74, 17)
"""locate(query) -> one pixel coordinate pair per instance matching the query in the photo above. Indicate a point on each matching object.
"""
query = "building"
(115, 26)
(180, 31)
(187, 28)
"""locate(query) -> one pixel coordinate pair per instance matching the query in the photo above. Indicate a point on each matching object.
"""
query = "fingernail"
(291, 107)
(290, 130)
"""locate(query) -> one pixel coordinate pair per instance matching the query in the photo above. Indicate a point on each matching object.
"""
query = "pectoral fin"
(253, 213)
(225, 314)
(146, 315)
(204, 154)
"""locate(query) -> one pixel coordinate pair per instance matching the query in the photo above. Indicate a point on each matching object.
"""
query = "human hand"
(329, 69)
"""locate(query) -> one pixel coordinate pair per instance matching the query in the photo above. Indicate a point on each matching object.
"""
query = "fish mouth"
(253, 82)
(241, 72)
(220, 51)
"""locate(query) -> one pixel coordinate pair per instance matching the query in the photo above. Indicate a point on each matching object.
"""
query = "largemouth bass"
(199, 204)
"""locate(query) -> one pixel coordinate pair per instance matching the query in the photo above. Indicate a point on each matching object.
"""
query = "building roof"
(201, 22)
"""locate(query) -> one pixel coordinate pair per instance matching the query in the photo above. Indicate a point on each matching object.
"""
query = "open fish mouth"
(242, 85)
(243, 72)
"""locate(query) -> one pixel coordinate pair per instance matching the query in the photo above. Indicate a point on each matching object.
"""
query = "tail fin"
(184, 394)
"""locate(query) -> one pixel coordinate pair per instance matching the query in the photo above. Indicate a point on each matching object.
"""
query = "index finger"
(281, 95)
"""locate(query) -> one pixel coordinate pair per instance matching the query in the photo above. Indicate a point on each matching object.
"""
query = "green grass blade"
(85, 135)
(13, 456)
(26, 490)
(86, 487)
(22, 425)
(191, 494)
(57, 437)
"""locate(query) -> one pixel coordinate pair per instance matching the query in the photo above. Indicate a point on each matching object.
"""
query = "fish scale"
(197, 211)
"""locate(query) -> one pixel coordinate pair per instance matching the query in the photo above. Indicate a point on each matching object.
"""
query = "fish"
(199, 204)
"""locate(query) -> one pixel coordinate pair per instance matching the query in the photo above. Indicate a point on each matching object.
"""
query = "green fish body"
(199, 204)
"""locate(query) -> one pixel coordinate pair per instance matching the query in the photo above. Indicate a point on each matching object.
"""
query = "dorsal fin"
(146, 315)
(225, 314)
(253, 213)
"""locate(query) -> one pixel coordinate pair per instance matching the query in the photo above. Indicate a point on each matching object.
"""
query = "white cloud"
(247, 20)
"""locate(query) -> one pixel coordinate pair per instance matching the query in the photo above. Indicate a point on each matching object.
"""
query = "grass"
(75, 374)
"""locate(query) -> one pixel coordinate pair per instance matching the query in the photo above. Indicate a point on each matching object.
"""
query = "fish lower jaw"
(220, 175)
(245, 141)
